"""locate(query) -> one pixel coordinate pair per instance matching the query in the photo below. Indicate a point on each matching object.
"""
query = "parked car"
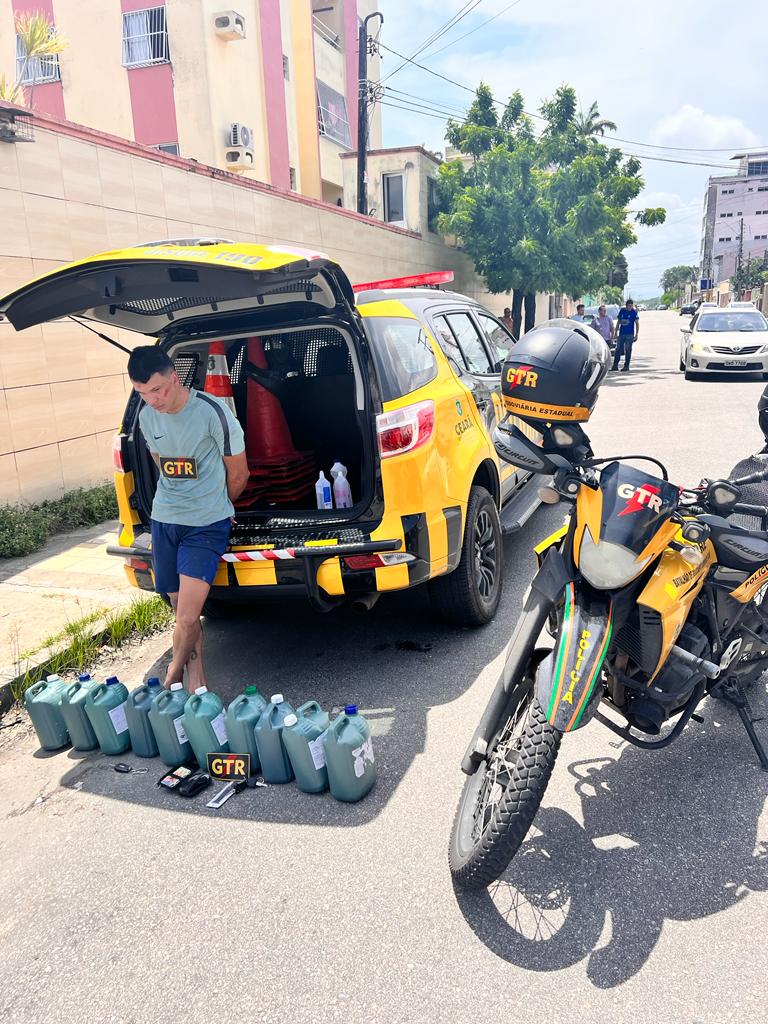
(724, 340)
(402, 385)
(662, 305)
(689, 308)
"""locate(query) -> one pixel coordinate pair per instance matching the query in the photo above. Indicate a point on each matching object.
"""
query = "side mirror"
(695, 532)
(722, 495)
(514, 447)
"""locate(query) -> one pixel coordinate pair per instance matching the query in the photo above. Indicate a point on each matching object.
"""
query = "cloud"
(692, 126)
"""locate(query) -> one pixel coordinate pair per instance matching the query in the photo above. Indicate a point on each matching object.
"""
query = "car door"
(685, 340)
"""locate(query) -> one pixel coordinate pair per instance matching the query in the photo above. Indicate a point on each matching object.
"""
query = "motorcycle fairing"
(567, 679)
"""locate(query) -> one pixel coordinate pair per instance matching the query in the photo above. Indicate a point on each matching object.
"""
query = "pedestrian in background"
(628, 328)
(579, 314)
(603, 324)
(508, 321)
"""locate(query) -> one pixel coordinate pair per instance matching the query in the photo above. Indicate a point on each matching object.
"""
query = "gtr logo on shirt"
(184, 468)
(524, 375)
(639, 497)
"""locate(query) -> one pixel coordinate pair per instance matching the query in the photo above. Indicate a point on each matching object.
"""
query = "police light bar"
(413, 281)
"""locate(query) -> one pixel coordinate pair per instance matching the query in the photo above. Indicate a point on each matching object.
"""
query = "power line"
(472, 30)
(451, 23)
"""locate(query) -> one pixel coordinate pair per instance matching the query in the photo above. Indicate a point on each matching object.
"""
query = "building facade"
(266, 88)
(735, 224)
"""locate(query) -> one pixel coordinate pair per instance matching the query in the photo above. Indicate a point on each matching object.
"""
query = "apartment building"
(266, 88)
(735, 217)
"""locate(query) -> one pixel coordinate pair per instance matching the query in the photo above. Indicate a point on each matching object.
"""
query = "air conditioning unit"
(229, 25)
(238, 158)
(240, 135)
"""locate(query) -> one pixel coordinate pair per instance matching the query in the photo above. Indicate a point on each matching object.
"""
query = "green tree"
(39, 39)
(592, 124)
(537, 214)
(618, 273)
(753, 273)
(611, 295)
(675, 280)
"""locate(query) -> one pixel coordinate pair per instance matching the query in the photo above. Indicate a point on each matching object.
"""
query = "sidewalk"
(41, 593)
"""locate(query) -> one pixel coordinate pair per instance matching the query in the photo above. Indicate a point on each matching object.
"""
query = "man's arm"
(238, 474)
(637, 327)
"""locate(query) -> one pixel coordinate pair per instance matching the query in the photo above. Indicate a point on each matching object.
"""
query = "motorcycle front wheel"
(499, 802)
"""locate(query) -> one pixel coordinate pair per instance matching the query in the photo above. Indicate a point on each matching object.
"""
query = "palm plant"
(592, 124)
(39, 39)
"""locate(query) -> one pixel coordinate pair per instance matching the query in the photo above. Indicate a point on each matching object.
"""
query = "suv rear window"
(403, 355)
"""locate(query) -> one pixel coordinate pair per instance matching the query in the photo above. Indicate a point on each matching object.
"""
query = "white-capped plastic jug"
(342, 492)
(323, 492)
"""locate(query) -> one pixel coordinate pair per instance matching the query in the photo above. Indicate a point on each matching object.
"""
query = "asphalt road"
(642, 896)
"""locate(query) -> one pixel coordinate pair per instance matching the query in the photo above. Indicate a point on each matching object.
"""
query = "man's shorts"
(187, 551)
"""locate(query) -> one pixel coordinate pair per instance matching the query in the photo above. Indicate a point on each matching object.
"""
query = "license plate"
(735, 362)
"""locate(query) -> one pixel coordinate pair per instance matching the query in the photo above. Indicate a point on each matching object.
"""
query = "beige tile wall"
(62, 390)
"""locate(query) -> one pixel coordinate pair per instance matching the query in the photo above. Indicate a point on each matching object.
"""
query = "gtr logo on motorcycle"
(646, 496)
(524, 375)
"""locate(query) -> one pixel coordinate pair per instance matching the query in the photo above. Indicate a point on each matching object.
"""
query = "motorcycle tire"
(478, 857)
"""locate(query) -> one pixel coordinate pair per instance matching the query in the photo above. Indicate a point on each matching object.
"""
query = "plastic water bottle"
(342, 492)
(303, 737)
(275, 764)
(323, 492)
(166, 716)
(349, 756)
(105, 707)
(43, 702)
(73, 709)
(137, 714)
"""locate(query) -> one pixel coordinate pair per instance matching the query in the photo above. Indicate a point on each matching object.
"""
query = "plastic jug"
(342, 492)
(275, 765)
(166, 716)
(73, 709)
(137, 713)
(205, 725)
(105, 707)
(323, 492)
(349, 756)
(43, 702)
(303, 738)
(242, 715)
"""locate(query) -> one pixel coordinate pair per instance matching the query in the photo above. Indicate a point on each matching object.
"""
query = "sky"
(688, 78)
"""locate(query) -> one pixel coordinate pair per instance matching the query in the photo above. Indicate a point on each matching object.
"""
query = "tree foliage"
(676, 278)
(38, 38)
(538, 214)
(753, 273)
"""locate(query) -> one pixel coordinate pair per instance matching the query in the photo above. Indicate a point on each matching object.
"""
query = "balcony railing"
(324, 32)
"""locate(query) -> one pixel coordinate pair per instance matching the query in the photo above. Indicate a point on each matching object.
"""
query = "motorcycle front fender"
(568, 680)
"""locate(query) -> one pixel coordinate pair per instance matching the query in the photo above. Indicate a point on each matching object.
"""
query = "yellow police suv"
(392, 386)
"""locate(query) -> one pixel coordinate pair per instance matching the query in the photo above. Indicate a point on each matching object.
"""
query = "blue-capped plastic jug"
(136, 712)
(349, 756)
(105, 707)
(205, 725)
(303, 738)
(275, 765)
(242, 715)
(43, 702)
(166, 716)
(73, 709)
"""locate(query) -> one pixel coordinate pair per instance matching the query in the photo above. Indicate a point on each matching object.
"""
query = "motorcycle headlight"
(606, 565)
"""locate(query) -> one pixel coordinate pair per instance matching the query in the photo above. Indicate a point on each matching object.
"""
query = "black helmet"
(552, 374)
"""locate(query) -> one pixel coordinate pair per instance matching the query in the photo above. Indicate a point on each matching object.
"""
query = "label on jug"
(181, 732)
(361, 755)
(317, 750)
(119, 721)
(219, 726)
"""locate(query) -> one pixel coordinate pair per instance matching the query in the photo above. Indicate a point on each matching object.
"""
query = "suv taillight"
(117, 453)
(405, 429)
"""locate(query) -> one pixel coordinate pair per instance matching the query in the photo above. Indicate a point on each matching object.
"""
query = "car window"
(716, 322)
(694, 322)
(500, 340)
(403, 355)
(447, 341)
(470, 342)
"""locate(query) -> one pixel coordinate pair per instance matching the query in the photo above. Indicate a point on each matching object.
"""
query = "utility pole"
(362, 110)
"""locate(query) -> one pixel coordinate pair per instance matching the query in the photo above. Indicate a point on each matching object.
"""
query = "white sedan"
(728, 340)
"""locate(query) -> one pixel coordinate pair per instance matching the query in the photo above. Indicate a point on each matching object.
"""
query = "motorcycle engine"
(649, 709)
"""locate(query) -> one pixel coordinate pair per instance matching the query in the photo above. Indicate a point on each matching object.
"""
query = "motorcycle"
(649, 599)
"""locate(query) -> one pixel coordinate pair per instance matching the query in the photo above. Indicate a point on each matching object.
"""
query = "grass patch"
(143, 617)
(26, 528)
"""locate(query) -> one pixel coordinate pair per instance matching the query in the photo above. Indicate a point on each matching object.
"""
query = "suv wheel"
(470, 595)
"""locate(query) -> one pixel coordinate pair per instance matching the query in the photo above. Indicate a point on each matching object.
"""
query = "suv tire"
(470, 595)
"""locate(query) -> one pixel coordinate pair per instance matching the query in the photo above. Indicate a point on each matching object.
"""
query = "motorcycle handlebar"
(753, 478)
(751, 510)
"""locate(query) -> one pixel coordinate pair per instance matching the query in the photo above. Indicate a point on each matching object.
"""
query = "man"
(603, 324)
(628, 326)
(199, 449)
(579, 314)
(507, 320)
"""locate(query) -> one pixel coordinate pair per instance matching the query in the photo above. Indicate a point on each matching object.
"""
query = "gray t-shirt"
(192, 486)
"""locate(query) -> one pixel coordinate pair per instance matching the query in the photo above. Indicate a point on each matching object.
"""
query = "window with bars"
(332, 119)
(36, 69)
(145, 38)
(757, 167)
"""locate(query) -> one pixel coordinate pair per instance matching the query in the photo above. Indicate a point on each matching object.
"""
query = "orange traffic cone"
(217, 380)
(267, 434)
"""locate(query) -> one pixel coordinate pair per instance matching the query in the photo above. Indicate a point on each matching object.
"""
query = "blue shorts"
(187, 551)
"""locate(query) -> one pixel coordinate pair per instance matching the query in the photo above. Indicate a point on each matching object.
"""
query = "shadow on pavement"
(664, 838)
(396, 663)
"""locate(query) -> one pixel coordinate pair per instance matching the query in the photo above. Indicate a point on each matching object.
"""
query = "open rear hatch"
(276, 327)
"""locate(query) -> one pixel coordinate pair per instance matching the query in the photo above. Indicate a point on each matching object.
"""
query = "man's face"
(601, 311)
(160, 391)
(507, 312)
(630, 304)
(580, 310)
